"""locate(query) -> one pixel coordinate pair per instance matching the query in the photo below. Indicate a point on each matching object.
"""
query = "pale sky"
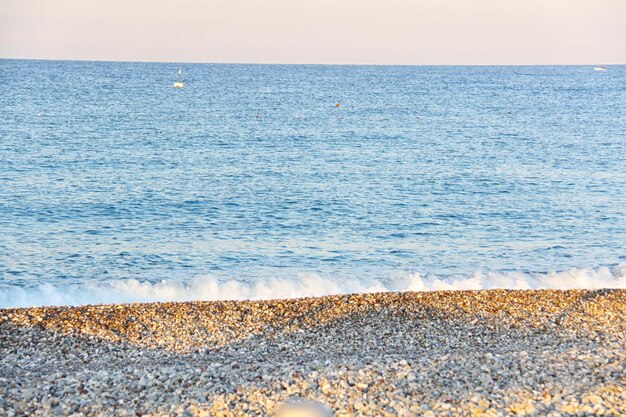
(318, 31)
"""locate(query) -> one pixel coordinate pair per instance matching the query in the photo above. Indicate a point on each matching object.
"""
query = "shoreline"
(210, 288)
(488, 352)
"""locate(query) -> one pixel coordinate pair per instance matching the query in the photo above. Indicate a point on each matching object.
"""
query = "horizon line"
(304, 63)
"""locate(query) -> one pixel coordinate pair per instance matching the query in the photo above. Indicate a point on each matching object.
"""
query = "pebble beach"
(448, 353)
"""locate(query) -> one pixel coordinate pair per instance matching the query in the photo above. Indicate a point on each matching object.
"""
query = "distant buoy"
(337, 105)
(179, 83)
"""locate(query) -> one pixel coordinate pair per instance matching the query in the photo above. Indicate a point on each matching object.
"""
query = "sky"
(415, 32)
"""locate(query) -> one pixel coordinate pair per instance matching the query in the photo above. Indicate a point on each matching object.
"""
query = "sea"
(279, 181)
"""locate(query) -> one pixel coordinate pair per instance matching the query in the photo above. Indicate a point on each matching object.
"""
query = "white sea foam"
(304, 285)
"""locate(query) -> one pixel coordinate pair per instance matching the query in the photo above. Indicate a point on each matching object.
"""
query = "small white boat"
(599, 69)
(179, 83)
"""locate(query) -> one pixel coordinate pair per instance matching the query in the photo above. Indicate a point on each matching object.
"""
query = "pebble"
(489, 353)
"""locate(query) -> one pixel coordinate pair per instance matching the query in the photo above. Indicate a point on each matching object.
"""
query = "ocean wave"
(305, 285)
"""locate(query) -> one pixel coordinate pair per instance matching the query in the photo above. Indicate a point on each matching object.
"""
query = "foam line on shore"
(209, 288)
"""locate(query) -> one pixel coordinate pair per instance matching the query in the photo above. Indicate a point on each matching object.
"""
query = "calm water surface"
(251, 172)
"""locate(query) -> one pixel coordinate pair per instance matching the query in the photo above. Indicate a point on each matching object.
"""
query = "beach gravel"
(465, 353)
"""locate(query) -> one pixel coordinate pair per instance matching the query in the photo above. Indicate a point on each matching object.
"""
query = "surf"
(210, 288)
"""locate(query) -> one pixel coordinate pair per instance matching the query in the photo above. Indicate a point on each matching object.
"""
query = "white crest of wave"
(304, 285)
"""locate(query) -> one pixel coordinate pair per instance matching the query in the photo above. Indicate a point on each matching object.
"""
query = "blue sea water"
(292, 180)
